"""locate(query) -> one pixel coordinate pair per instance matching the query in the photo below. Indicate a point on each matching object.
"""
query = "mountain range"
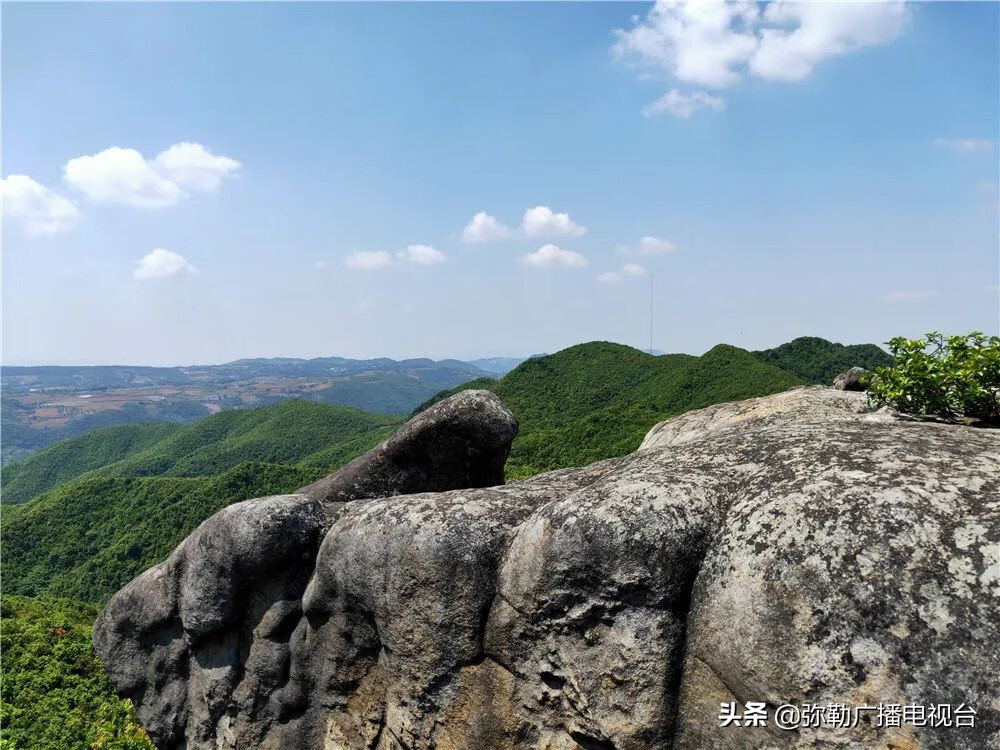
(84, 516)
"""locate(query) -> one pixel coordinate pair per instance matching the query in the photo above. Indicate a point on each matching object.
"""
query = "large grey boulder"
(850, 380)
(460, 442)
(795, 549)
(200, 642)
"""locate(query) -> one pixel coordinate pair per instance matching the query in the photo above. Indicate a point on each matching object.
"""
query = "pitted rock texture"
(850, 380)
(791, 549)
(458, 443)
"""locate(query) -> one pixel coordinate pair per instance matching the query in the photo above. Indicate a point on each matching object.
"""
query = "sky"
(196, 183)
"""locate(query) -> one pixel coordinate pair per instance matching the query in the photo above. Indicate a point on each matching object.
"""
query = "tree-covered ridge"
(88, 538)
(53, 694)
(598, 400)
(69, 459)
(820, 361)
(318, 435)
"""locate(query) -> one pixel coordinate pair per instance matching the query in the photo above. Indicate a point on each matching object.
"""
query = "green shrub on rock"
(946, 376)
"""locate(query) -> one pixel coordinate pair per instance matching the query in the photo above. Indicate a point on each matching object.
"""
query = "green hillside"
(54, 695)
(319, 435)
(88, 538)
(97, 510)
(820, 361)
(598, 400)
(70, 458)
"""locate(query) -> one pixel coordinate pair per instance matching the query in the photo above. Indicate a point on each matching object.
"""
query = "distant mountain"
(42, 405)
(598, 400)
(109, 504)
(497, 365)
(318, 435)
(820, 361)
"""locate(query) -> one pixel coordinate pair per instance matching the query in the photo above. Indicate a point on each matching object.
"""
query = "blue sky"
(196, 183)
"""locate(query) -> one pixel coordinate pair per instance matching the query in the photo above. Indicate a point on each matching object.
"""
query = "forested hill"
(103, 507)
(597, 400)
(318, 435)
(820, 361)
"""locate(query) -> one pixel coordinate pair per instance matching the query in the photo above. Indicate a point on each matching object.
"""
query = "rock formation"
(850, 380)
(794, 549)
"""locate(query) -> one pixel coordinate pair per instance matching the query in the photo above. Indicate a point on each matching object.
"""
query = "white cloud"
(909, 296)
(696, 42)
(820, 31)
(648, 245)
(484, 228)
(193, 166)
(966, 145)
(541, 221)
(683, 105)
(551, 256)
(319, 265)
(614, 277)
(422, 255)
(39, 210)
(123, 175)
(368, 261)
(633, 269)
(716, 44)
(160, 264)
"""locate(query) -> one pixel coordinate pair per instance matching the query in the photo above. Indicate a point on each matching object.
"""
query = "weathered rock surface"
(850, 380)
(791, 549)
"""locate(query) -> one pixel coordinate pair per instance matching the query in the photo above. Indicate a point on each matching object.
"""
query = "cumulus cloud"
(909, 296)
(683, 105)
(368, 261)
(422, 255)
(696, 42)
(715, 45)
(633, 269)
(123, 175)
(541, 221)
(819, 31)
(968, 146)
(39, 210)
(484, 228)
(194, 167)
(615, 277)
(648, 245)
(551, 256)
(161, 264)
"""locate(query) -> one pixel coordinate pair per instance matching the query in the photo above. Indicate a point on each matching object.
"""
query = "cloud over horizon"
(422, 255)
(648, 245)
(683, 105)
(484, 228)
(160, 264)
(124, 176)
(542, 221)
(615, 277)
(38, 209)
(552, 256)
(373, 260)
